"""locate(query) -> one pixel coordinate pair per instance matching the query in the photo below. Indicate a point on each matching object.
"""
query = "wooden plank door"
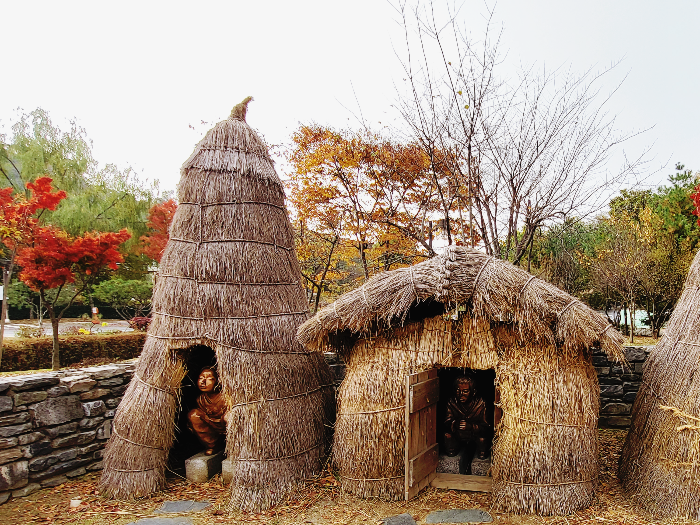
(421, 450)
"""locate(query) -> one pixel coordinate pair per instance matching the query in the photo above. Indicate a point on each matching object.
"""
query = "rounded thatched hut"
(538, 339)
(660, 461)
(228, 280)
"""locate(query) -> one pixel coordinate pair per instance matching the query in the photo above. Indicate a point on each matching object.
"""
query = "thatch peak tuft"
(239, 110)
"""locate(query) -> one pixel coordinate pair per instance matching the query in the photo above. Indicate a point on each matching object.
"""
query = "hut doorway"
(427, 396)
(186, 443)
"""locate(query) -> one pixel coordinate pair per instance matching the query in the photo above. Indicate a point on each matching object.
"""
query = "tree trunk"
(3, 312)
(55, 355)
(632, 311)
(6, 274)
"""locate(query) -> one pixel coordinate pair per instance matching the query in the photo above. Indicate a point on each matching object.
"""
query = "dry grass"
(661, 458)
(228, 279)
(640, 340)
(320, 501)
(538, 339)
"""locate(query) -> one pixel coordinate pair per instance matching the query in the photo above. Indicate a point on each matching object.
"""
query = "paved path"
(119, 325)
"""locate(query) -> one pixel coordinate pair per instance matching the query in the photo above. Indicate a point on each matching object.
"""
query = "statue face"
(206, 381)
(464, 391)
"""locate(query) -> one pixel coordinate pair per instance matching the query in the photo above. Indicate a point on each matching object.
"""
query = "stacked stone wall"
(54, 425)
(619, 385)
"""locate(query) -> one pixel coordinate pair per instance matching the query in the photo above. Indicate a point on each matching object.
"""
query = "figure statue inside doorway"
(465, 421)
(208, 420)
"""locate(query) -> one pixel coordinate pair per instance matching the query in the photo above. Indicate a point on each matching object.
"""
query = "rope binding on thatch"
(602, 333)
(114, 431)
(133, 470)
(520, 483)
(282, 398)
(281, 314)
(233, 203)
(567, 307)
(212, 241)
(541, 422)
(139, 379)
(371, 479)
(236, 283)
(413, 282)
(476, 279)
(522, 290)
(371, 411)
(282, 457)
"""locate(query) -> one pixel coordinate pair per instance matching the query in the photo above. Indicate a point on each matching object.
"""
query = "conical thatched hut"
(660, 462)
(229, 280)
(538, 339)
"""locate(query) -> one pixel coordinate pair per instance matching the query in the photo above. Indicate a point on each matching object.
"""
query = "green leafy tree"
(674, 206)
(130, 298)
(39, 148)
(103, 200)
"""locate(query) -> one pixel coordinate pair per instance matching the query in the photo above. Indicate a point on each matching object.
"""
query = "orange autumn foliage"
(160, 216)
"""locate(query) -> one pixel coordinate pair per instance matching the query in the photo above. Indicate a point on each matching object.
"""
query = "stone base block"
(226, 471)
(481, 467)
(200, 467)
(452, 464)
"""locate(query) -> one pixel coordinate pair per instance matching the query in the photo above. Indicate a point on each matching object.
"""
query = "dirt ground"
(319, 502)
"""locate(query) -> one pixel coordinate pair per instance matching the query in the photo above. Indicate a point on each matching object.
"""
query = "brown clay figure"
(465, 420)
(208, 420)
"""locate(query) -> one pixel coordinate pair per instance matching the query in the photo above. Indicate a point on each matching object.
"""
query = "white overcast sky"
(137, 75)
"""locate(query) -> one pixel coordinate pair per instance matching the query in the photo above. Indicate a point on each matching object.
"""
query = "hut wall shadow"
(186, 442)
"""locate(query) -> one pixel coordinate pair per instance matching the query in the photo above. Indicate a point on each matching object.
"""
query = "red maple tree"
(160, 216)
(19, 217)
(695, 197)
(55, 259)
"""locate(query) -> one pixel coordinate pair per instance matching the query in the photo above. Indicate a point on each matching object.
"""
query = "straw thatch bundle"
(660, 462)
(536, 336)
(229, 279)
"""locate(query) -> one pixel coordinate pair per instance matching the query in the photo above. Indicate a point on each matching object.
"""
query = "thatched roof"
(491, 289)
(229, 279)
(660, 461)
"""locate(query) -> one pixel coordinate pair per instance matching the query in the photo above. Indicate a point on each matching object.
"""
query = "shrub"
(70, 330)
(32, 354)
(26, 331)
(140, 323)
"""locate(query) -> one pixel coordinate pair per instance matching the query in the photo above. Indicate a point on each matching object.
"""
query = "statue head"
(208, 379)
(464, 388)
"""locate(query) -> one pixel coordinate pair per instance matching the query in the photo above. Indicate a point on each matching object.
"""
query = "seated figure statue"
(465, 421)
(208, 420)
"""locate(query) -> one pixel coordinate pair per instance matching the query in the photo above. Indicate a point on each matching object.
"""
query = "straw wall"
(228, 279)
(660, 462)
(545, 458)
(368, 447)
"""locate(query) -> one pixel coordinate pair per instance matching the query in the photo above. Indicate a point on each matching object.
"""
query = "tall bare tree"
(524, 153)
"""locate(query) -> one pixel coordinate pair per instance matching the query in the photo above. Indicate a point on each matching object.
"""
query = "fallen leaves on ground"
(318, 501)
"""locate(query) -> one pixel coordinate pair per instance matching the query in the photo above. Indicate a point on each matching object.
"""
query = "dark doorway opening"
(186, 443)
(484, 382)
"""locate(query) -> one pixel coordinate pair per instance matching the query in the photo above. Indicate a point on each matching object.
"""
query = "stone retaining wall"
(54, 426)
(619, 385)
